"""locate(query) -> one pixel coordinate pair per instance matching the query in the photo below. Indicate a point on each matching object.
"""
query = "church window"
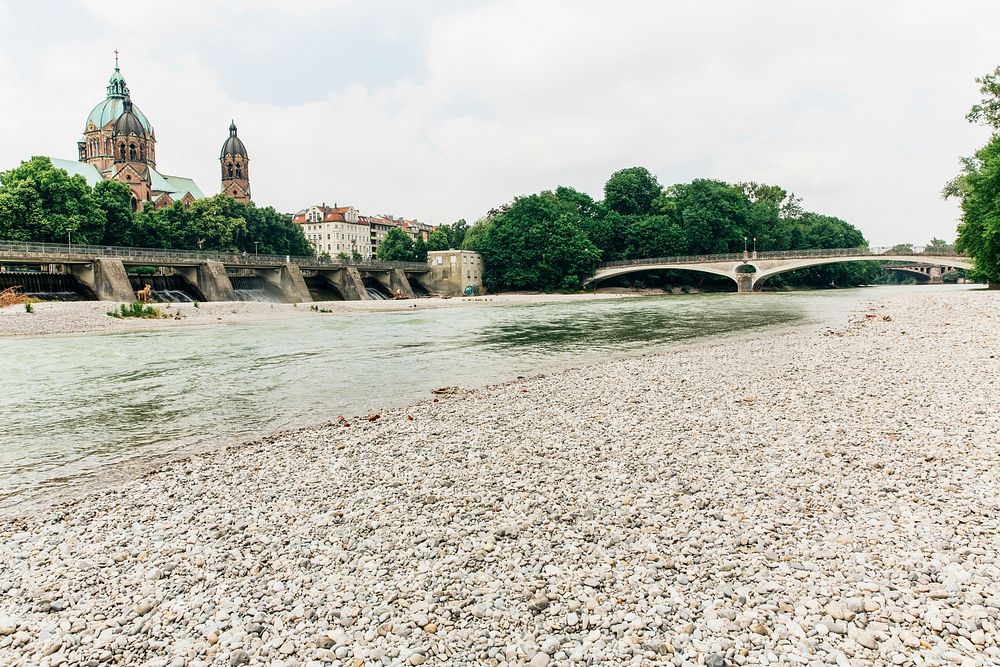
(135, 204)
(107, 144)
(131, 152)
(122, 151)
(229, 169)
(239, 171)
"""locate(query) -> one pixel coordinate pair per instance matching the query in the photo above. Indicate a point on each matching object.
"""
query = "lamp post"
(744, 248)
(255, 249)
(69, 239)
(755, 247)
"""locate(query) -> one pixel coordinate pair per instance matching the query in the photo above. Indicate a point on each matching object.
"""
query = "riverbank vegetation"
(552, 240)
(39, 202)
(978, 188)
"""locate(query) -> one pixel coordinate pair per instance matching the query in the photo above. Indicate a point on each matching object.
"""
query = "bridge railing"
(936, 251)
(54, 251)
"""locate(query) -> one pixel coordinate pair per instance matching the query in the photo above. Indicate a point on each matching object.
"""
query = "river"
(70, 406)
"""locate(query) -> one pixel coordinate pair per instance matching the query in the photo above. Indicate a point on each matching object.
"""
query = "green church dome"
(114, 106)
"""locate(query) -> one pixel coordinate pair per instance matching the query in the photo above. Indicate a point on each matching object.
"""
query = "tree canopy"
(548, 241)
(538, 243)
(39, 202)
(397, 246)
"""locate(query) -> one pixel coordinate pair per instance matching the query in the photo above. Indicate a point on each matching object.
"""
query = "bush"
(137, 309)
(28, 308)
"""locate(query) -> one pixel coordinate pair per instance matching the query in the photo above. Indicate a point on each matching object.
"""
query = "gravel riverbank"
(73, 317)
(807, 497)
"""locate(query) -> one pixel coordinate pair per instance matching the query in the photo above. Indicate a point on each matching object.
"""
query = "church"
(119, 143)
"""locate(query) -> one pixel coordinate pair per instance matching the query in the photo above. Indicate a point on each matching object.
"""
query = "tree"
(937, 244)
(114, 198)
(655, 236)
(631, 191)
(979, 231)
(397, 246)
(713, 214)
(419, 250)
(44, 203)
(537, 244)
(475, 234)
(439, 240)
(454, 234)
(987, 110)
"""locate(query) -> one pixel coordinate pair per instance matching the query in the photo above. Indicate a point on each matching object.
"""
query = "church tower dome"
(235, 163)
(96, 146)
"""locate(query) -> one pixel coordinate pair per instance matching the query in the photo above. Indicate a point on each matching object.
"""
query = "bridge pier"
(106, 278)
(744, 283)
(208, 280)
(288, 281)
(347, 280)
(400, 283)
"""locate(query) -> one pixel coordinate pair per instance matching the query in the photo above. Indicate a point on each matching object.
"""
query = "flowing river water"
(71, 406)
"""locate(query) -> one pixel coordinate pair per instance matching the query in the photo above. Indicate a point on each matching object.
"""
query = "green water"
(71, 406)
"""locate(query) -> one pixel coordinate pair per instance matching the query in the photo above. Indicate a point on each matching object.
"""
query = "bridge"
(924, 273)
(102, 272)
(749, 270)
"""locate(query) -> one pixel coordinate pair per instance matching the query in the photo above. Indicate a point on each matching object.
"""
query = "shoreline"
(62, 318)
(84, 484)
(801, 497)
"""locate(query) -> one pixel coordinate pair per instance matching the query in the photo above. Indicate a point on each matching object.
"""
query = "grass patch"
(137, 309)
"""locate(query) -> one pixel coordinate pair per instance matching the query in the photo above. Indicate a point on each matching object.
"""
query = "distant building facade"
(454, 271)
(333, 230)
(119, 143)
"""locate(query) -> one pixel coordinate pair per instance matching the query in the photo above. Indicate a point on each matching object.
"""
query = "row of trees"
(978, 187)
(553, 239)
(39, 202)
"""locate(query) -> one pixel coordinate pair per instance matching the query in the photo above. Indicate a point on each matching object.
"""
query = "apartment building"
(335, 230)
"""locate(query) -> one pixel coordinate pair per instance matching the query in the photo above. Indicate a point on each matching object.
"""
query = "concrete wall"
(106, 278)
(452, 271)
(287, 279)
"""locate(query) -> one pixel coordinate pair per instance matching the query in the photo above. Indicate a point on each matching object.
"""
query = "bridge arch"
(603, 275)
(769, 268)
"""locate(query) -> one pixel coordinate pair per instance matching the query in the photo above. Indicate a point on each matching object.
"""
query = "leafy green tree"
(397, 246)
(713, 214)
(419, 250)
(439, 240)
(979, 231)
(475, 234)
(47, 204)
(114, 198)
(938, 244)
(631, 191)
(987, 110)
(538, 244)
(455, 234)
(655, 236)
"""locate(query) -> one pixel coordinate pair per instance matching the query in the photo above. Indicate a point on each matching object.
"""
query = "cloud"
(440, 110)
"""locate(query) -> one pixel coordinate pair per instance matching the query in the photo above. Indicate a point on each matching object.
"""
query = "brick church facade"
(119, 143)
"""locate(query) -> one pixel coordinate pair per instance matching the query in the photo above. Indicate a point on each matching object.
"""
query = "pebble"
(838, 504)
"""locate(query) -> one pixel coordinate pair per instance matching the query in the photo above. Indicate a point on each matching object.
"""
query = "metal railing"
(55, 251)
(894, 251)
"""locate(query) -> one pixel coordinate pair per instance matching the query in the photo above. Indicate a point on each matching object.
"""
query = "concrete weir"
(106, 278)
(103, 271)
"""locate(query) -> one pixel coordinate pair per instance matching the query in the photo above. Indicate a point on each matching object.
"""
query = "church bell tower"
(235, 165)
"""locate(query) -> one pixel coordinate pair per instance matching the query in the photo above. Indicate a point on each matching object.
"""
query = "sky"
(443, 109)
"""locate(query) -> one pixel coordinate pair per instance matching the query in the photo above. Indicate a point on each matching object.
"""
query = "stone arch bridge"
(750, 270)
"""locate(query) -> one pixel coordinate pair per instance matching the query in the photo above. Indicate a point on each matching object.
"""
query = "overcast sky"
(441, 109)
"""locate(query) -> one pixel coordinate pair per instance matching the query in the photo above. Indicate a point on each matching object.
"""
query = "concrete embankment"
(826, 496)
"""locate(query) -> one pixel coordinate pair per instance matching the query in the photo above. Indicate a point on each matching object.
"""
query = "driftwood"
(10, 297)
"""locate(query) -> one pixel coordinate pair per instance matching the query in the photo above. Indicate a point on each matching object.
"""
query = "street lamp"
(255, 249)
(69, 237)
(755, 247)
